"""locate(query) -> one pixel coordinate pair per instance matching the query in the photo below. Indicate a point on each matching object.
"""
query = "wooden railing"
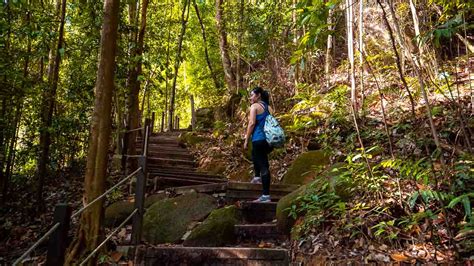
(58, 233)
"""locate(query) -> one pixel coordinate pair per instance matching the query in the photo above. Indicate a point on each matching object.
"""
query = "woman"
(260, 148)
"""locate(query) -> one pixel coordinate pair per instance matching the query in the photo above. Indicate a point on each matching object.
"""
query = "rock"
(213, 167)
(302, 170)
(284, 222)
(205, 118)
(116, 212)
(341, 187)
(190, 139)
(217, 229)
(166, 221)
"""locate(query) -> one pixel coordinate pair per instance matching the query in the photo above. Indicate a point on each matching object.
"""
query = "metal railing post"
(125, 149)
(152, 125)
(140, 192)
(162, 121)
(58, 241)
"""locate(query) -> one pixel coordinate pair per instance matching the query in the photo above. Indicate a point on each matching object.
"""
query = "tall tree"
(137, 43)
(91, 230)
(350, 53)
(224, 47)
(47, 107)
(177, 62)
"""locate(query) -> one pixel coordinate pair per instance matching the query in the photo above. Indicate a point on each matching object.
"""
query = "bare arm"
(251, 125)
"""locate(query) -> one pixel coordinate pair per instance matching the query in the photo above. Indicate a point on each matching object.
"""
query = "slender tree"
(177, 62)
(48, 104)
(91, 231)
(224, 46)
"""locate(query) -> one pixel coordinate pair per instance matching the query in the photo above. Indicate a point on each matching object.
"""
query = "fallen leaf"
(399, 257)
(116, 256)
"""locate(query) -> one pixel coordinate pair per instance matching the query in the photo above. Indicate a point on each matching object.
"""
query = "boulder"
(205, 118)
(217, 229)
(166, 221)
(190, 139)
(284, 221)
(116, 212)
(303, 169)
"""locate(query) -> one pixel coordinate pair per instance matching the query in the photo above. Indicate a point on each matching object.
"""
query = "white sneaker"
(263, 198)
(256, 180)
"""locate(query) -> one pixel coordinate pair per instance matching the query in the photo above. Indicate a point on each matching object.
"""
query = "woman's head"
(258, 94)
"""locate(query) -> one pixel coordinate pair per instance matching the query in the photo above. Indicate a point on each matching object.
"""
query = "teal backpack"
(274, 134)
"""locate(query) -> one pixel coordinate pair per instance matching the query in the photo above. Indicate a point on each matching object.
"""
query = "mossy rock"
(341, 187)
(205, 118)
(213, 167)
(302, 170)
(166, 221)
(190, 139)
(217, 229)
(116, 212)
(150, 200)
(284, 222)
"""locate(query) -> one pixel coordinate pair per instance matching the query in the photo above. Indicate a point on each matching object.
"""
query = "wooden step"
(177, 169)
(171, 154)
(258, 212)
(206, 188)
(167, 182)
(258, 187)
(190, 177)
(245, 191)
(169, 162)
(257, 232)
(211, 256)
(181, 173)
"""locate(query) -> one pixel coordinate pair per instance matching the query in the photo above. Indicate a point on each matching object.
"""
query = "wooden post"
(193, 113)
(163, 121)
(176, 123)
(152, 126)
(58, 241)
(140, 191)
(125, 149)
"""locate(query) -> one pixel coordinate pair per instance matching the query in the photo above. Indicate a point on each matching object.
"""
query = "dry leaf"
(399, 257)
(116, 256)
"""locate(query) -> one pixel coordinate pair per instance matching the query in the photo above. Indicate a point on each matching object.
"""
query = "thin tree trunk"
(329, 47)
(350, 53)
(421, 82)
(397, 57)
(224, 47)
(361, 49)
(91, 230)
(239, 41)
(184, 21)
(167, 65)
(49, 102)
(204, 41)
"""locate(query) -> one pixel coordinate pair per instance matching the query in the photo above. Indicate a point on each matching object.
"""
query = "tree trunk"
(184, 21)
(204, 41)
(91, 231)
(361, 49)
(49, 101)
(224, 47)
(397, 57)
(350, 53)
(329, 47)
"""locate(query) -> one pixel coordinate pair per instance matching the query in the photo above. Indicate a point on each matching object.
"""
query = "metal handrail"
(50, 231)
(135, 129)
(145, 147)
(105, 193)
(108, 237)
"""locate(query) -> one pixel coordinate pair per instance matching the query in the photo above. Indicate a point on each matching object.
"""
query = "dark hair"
(264, 95)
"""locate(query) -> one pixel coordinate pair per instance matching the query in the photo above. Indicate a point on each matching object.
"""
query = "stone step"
(211, 256)
(257, 232)
(258, 212)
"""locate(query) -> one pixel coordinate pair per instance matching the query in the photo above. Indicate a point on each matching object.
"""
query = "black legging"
(260, 150)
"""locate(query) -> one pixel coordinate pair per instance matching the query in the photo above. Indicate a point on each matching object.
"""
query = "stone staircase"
(172, 168)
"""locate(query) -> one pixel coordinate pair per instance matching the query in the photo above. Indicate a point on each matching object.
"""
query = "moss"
(116, 212)
(302, 170)
(217, 229)
(284, 222)
(190, 139)
(167, 220)
(154, 198)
